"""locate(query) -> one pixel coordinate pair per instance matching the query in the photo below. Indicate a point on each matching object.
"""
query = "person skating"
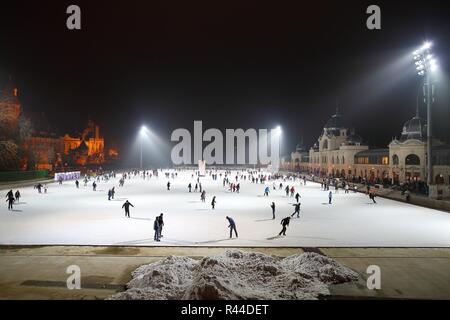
(273, 209)
(94, 186)
(17, 196)
(156, 228)
(113, 192)
(10, 194)
(330, 197)
(203, 196)
(190, 187)
(297, 197)
(232, 226)
(109, 194)
(287, 191)
(10, 201)
(284, 223)
(296, 210)
(77, 184)
(266, 191)
(372, 196)
(168, 185)
(213, 202)
(126, 206)
(161, 224)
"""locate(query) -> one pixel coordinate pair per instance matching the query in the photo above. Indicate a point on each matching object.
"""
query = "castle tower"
(9, 108)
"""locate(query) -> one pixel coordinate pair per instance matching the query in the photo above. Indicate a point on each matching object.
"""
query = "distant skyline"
(231, 64)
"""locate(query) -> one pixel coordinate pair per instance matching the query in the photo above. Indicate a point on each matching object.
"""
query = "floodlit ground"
(66, 215)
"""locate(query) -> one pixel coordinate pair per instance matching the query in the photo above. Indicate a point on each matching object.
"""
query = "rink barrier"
(23, 175)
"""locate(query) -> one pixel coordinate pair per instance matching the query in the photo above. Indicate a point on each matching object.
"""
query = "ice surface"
(237, 275)
(66, 215)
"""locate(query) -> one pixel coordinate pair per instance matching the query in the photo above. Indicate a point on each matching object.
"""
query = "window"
(385, 160)
(395, 160)
(412, 160)
(325, 144)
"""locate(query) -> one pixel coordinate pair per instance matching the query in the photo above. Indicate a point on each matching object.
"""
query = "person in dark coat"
(109, 194)
(232, 226)
(330, 197)
(190, 187)
(77, 184)
(284, 223)
(273, 209)
(168, 185)
(9, 194)
(297, 210)
(156, 228)
(17, 195)
(113, 191)
(126, 206)
(213, 202)
(297, 197)
(161, 225)
(10, 201)
(94, 186)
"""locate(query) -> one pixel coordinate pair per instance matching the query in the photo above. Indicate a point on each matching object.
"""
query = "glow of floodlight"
(426, 45)
(143, 130)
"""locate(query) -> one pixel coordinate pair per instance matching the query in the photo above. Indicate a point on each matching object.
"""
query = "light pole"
(279, 131)
(425, 64)
(142, 135)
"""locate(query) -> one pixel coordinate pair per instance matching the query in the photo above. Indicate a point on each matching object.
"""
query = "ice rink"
(70, 216)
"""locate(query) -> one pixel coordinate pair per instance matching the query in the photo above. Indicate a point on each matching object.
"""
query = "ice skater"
(10, 200)
(17, 195)
(284, 223)
(113, 192)
(168, 185)
(273, 210)
(109, 194)
(296, 210)
(161, 225)
(203, 196)
(330, 197)
(94, 186)
(372, 196)
(156, 228)
(232, 226)
(297, 197)
(266, 191)
(213, 202)
(126, 206)
(77, 184)
(190, 187)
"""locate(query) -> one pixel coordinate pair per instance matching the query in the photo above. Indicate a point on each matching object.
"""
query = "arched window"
(412, 160)
(325, 144)
(395, 159)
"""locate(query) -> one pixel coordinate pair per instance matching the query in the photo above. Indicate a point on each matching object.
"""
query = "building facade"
(339, 152)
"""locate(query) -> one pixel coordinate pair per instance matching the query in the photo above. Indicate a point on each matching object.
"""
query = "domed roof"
(335, 122)
(413, 129)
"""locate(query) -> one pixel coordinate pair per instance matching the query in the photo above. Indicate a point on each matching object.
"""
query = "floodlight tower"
(142, 136)
(425, 65)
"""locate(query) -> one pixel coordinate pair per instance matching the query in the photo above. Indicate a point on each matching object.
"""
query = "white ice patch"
(236, 274)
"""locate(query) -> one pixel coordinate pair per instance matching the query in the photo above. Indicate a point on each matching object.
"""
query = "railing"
(22, 175)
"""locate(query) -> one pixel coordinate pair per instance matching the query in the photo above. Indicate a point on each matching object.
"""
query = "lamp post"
(142, 135)
(279, 131)
(425, 64)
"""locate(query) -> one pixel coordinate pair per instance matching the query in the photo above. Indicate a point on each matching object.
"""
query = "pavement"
(39, 272)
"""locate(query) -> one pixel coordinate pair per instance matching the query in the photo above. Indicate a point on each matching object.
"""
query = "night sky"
(232, 64)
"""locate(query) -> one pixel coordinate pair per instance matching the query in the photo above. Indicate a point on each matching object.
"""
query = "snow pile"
(237, 275)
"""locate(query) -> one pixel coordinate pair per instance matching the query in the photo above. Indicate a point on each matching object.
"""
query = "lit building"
(339, 152)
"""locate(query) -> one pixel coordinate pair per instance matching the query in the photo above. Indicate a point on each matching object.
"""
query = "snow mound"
(237, 275)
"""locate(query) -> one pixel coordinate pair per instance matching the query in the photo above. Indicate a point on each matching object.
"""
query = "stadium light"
(425, 64)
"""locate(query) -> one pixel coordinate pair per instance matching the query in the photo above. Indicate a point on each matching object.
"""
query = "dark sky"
(232, 64)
